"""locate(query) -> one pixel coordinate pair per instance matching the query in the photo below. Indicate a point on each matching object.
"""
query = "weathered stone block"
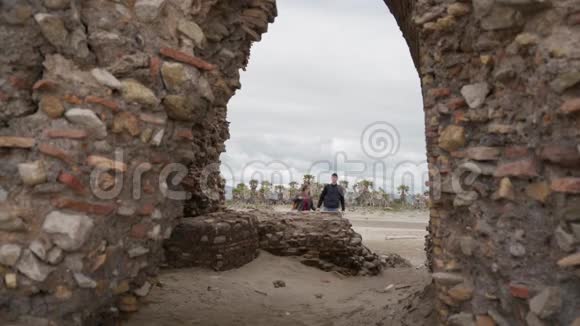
(53, 29)
(461, 319)
(522, 168)
(106, 78)
(126, 121)
(519, 290)
(106, 164)
(505, 190)
(33, 268)
(475, 94)
(565, 81)
(452, 138)
(68, 231)
(148, 10)
(89, 120)
(448, 278)
(564, 239)
(40, 247)
(137, 251)
(483, 153)
(461, 292)
(32, 173)
(10, 220)
(565, 155)
(547, 303)
(186, 58)
(9, 254)
(539, 191)
(84, 281)
(570, 106)
(192, 31)
(566, 185)
(52, 106)
(56, 4)
(133, 91)
(55, 256)
(17, 142)
(501, 18)
(570, 261)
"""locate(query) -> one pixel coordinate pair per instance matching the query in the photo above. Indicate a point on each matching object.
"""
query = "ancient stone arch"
(151, 79)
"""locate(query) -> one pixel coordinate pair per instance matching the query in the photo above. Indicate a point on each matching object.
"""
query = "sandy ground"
(247, 296)
(393, 232)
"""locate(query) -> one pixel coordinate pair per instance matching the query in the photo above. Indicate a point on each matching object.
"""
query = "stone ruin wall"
(79, 82)
(230, 239)
(501, 91)
(322, 240)
(500, 81)
(222, 241)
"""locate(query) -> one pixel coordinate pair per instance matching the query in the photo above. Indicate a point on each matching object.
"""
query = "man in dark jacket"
(332, 196)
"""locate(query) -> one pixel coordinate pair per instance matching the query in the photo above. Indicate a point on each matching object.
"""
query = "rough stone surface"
(32, 173)
(55, 256)
(40, 247)
(11, 221)
(89, 120)
(191, 30)
(33, 268)
(53, 29)
(475, 94)
(220, 241)
(547, 303)
(133, 91)
(144, 290)
(9, 254)
(326, 241)
(148, 10)
(68, 231)
(84, 282)
(231, 239)
(52, 106)
(106, 78)
(564, 239)
(462, 319)
(452, 138)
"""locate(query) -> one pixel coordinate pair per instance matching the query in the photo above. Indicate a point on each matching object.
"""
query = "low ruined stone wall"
(230, 239)
(221, 241)
(323, 240)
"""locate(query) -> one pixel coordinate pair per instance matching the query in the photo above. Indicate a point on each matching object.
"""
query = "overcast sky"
(326, 71)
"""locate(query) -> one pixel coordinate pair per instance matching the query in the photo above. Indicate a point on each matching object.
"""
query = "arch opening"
(97, 93)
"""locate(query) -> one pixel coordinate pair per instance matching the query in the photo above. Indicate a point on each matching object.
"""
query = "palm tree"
(239, 192)
(403, 191)
(384, 197)
(308, 178)
(253, 188)
(293, 189)
(265, 186)
(364, 192)
(264, 189)
(344, 184)
(280, 190)
(365, 185)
